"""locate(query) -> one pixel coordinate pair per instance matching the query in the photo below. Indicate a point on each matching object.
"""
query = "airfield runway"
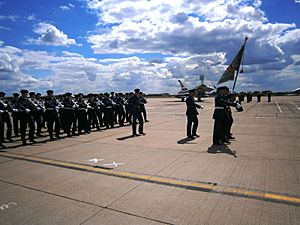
(109, 178)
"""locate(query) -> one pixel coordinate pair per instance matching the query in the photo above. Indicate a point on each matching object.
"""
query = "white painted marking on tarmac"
(6, 206)
(280, 110)
(95, 160)
(294, 105)
(113, 164)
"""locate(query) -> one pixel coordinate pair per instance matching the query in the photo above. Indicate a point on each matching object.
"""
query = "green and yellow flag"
(229, 73)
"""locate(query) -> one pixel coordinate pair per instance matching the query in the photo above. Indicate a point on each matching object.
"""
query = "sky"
(119, 45)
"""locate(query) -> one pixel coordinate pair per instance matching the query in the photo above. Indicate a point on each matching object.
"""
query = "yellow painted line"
(160, 180)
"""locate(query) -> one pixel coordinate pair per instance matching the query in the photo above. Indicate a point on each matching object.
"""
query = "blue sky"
(95, 46)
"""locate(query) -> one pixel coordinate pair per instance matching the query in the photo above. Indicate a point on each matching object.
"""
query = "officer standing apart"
(192, 113)
(135, 107)
(52, 116)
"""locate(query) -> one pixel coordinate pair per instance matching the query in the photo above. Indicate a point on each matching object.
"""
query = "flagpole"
(237, 72)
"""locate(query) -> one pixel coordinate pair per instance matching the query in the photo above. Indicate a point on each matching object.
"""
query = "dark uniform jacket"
(191, 107)
(50, 105)
(135, 105)
(23, 104)
(221, 104)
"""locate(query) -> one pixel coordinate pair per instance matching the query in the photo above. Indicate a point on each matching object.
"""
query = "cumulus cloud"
(192, 29)
(39, 70)
(50, 35)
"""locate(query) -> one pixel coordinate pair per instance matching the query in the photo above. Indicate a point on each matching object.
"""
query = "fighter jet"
(200, 90)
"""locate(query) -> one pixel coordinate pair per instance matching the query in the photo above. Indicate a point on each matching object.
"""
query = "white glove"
(57, 107)
(15, 110)
(89, 106)
(238, 105)
(27, 110)
(1, 111)
(74, 106)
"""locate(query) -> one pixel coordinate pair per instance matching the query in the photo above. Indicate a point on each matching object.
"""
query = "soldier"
(1, 133)
(269, 96)
(108, 111)
(228, 117)
(5, 108)
(220, 116)
(143, 102)
(52, 116)
(25, 108)
(258, 95)
(120, 109)
(37, 113)
(82, 115)
(92, 111)
(39, 101)
(15, 113)
(135, 107)
(128, 114)
(100, 109)
(68, 112)
(192, 113)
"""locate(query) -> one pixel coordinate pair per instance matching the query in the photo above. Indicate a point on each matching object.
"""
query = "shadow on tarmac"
(185, 141)
(125, 138)
(214, 149)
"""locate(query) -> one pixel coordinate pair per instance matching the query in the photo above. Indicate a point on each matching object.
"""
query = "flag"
(234, 66)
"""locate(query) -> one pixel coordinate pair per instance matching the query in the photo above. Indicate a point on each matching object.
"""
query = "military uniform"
(220, 117)
(82, 116)
(1, 133)
(120, 109)
(192, 119)
(135, 107)
(128, 114)
(99, 110)
(52, 116)
(25, 108)
(108, 111)
(37, 113)
(68, 112)
(143, 108)
(4, 113)
(92, 112)
(15, 114)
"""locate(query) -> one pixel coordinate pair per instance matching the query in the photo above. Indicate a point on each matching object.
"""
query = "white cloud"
(9, 17)
(67, 7)
(194, 28)
(31, 17)
(50, 35)
(4, 28)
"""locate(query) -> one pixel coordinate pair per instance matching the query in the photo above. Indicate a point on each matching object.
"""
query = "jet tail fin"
(183, 88)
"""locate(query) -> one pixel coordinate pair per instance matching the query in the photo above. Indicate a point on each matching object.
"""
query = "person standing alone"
(192, 113)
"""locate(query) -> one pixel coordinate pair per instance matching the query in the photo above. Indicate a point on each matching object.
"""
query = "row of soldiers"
(72, 114)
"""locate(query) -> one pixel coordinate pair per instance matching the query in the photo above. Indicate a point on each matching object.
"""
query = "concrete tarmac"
(108, 177)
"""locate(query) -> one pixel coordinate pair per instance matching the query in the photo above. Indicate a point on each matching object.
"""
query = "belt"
(81, 108)
(108, 107)
(68, 108)
(219, 107)
(51, 109)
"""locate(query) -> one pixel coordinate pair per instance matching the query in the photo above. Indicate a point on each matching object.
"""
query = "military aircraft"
(200, 90)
